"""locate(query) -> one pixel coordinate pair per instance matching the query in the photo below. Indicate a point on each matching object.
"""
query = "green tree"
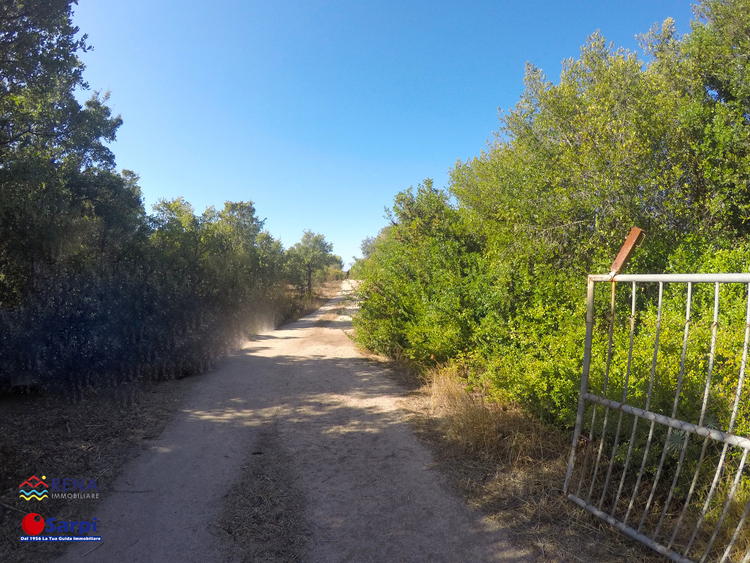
(368, 247)
(313, 253)
(62, 205)
(40, 70)
(271, 258)
(425, 293)
(662, 143)
(92, 290)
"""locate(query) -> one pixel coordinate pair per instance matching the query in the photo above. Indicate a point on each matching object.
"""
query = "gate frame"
(673, 423)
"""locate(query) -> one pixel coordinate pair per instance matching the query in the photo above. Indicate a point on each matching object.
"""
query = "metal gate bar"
(714, 327)
(610, 441)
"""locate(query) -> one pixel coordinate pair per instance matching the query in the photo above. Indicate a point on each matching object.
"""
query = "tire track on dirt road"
(303, 390)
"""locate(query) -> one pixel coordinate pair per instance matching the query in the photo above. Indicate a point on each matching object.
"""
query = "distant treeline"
(93, 290)
(491, 274)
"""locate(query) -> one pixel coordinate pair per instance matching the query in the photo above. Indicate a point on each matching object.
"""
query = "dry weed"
(511, 466)
(488, 430)
(266, 522)
(92, 439)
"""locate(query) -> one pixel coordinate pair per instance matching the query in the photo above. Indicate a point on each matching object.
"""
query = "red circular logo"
(32, 524)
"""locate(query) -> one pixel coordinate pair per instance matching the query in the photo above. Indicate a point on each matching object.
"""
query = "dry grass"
(93, 439)
(490, 431)
(512, 467)
(265, 523)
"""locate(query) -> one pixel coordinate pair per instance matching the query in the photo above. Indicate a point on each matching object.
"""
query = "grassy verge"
(512, 467)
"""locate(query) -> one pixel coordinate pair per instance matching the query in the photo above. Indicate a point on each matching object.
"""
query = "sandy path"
(370, 494)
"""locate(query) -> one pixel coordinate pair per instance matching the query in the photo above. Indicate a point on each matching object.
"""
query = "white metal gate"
(679, 486)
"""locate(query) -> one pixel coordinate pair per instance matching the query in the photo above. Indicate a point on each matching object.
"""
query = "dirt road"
(301, 394)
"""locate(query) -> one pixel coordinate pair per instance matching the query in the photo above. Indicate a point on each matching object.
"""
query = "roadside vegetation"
(509, 465)
(485, 280)
(104, 305)
(95, 292)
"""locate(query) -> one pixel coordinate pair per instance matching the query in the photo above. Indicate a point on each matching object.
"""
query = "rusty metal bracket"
(635, 238)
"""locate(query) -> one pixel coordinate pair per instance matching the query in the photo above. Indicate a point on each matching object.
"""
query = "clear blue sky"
(321, 111)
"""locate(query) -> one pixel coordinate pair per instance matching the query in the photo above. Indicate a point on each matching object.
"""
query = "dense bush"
(489, 277)
(183, 296)
(492, 273)
(94, 291)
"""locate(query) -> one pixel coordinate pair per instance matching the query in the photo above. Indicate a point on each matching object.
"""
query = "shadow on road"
(369, 492)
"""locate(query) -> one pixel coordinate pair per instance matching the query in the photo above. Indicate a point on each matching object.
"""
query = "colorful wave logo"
(33, 483)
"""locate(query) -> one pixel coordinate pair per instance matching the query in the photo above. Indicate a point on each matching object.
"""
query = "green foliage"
(492, 274)
(422, 298)
(177, 298)
(367, 247)
(61, 201)
(311, 255)
(92, 290)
